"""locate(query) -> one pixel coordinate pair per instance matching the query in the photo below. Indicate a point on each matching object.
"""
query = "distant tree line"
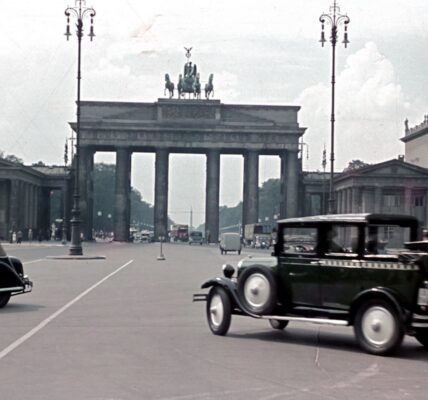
(104, 178)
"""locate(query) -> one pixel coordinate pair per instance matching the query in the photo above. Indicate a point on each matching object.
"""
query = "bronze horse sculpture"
(209, 87)
(169, 85)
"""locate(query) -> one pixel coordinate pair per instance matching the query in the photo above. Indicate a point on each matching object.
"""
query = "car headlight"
(228, 270)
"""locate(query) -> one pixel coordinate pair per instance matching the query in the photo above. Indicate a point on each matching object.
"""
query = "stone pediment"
(388, 169)
(393, 167)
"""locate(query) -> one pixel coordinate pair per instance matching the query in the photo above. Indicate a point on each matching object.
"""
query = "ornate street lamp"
(80, 11)
(335, 19)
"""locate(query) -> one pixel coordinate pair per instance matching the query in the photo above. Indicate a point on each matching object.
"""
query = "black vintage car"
(362, 270)
(12, 278)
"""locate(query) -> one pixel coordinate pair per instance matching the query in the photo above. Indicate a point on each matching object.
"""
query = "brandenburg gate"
(188, 126)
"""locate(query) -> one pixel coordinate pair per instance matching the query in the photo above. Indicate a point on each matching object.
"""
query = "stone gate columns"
(290, 171)
(250, 210)
(122, 200)
(161, 193)
(86, 190)
(212, 196)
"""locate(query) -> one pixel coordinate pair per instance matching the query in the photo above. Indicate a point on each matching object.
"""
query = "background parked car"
(196, 237)
(230, 241)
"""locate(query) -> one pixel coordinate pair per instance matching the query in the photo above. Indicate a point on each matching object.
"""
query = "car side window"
(299, 241)
(342, 239)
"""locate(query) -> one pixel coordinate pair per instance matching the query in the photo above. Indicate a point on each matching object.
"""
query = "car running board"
(323, 321)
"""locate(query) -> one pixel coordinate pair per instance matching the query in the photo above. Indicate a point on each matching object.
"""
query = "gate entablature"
(189, 125)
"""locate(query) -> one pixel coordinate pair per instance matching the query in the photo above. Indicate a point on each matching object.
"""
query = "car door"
(299, 267)
(340, 270)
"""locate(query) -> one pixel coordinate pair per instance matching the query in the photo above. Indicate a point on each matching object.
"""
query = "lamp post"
(335, 19)
(80, 11)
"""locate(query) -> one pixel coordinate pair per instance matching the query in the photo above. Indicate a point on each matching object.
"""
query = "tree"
(11, 158)
(269, 199)
(354, 165)
(141, 211)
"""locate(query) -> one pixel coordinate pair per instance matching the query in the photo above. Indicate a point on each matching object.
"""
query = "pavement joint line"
(57, 313)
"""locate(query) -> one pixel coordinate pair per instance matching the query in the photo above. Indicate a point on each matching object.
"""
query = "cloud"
(370, 110)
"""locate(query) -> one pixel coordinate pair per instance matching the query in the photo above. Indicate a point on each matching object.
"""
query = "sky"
(259, 52)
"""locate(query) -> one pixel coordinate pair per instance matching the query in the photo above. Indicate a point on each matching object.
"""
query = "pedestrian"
(19, 237)
(425, 235)
(30, 235)
(14, 237)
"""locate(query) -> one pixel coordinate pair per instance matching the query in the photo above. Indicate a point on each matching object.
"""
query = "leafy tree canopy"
(354, 165)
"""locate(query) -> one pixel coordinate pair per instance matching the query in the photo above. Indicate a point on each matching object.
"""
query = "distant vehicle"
(179, 233)
(145, 237)
(230, 241)
(368, 271)
(252, 230)
(12, 278)
(196, 237)
(262, 241)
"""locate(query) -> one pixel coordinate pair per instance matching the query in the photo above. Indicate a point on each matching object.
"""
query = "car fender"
(379, 293)
(8, 276)
(231, 288)
(17, 264)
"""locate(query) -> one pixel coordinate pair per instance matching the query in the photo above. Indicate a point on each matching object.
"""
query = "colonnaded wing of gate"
(188, 126)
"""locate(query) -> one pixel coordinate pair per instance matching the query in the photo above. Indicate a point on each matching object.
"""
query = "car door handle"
(318, 262)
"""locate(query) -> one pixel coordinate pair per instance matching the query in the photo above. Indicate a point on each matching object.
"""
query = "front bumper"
(26, 288)
(419, 321)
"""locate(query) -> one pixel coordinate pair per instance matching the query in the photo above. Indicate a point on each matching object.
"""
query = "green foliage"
(355, 164)
(104, 187)
(11, 158)
(230, 216)
(269, 200)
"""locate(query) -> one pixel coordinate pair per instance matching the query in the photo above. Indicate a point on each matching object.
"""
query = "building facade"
(25, 194)
(416, 143)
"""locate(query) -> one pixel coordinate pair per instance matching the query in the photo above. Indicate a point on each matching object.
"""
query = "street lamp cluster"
(334, 18)
(80, 12)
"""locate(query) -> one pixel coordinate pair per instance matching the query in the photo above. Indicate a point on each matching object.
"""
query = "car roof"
(363, 218)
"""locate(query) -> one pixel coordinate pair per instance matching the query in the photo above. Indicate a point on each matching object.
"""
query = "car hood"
(265, 261)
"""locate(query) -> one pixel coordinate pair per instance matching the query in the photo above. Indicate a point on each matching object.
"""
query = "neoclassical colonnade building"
(188, 126)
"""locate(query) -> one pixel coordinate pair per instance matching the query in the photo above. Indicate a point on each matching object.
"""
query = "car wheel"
(258, 290)
(219, 311)
(378, 327)
(221, 251)
(239, 252)
(4, 299)
(421, 336)
(278, 324)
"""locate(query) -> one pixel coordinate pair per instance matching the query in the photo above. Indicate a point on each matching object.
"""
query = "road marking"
(49, 319)
(33, 261)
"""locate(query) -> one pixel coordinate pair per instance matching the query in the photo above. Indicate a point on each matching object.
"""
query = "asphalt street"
(125, 328)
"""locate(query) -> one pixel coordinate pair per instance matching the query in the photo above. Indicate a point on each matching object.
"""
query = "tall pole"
(335, 19)
(79, 12)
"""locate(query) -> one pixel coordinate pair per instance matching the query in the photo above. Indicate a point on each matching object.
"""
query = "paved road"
(125, 328)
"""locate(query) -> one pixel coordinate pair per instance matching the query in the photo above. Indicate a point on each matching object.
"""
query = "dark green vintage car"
(362, 270)
(12, 278)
